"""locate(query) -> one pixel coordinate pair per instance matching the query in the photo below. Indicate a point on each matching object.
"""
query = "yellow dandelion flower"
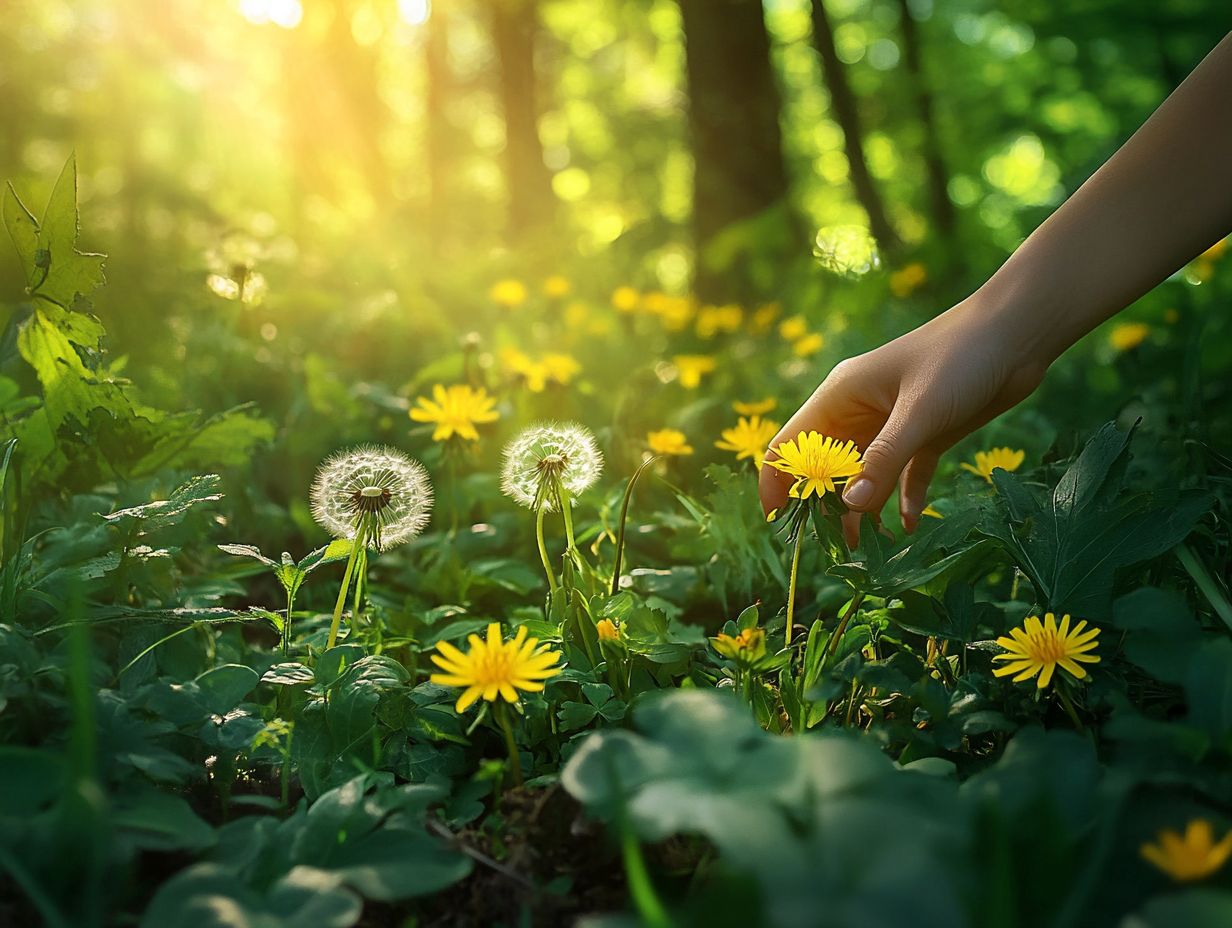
(809, 345)
(607, 630)
(1128, 335)
(763, 317)
(561, 368)
(456, 410)
(755, 408)
(692, 367)
(711, 320)
(749, 439)
(1039, 648)
(816, 461)
(749, 645)
(495, 667)
(1192, 857)
(626, 299)
(676, 313)
(509, 293)
(988, 461)
(671, 442)
(793, 327)
(557, 286)
(906, 281)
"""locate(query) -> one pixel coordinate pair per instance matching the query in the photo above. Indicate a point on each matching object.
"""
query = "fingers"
(884, 460)
(913, 488)
(772, 485)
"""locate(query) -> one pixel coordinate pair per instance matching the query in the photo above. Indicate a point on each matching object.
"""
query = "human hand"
(908, 401)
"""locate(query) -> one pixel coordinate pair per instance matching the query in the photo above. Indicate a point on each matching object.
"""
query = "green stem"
(286, 625)
(515, 762)
(129, 666)
(1069, 710)
(361, 532)
(791, 589)
(832, 647)
(543, 549)
(645, 899)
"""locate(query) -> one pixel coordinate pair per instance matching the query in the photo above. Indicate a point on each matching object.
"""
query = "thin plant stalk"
(543, 549)
(1069, 710)
(832, 646)
(361, 539)
(641, 888)
(791, 589)
(515, 761)
(286, 625)
(624, 517)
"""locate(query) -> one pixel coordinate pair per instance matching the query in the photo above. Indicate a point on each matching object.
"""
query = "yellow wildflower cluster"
(714, 320)
(804, 341)
(537, 373)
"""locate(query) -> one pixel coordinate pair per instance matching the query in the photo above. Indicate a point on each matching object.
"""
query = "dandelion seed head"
(550, 451)
(379, 482)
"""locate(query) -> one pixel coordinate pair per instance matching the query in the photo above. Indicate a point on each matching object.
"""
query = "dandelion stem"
(837, 637)
(361, 539)
(543, 549)
(791, 589)
(1069, 710)
(645, 899)
(515, 761)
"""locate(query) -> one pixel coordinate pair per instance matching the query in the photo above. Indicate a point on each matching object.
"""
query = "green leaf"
(166, 512)
(1072, 545)
(159, 821)
(224, 688)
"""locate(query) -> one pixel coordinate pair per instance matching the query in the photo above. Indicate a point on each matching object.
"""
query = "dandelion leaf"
(1071, 542)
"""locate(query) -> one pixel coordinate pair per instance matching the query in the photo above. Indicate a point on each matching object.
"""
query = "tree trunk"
(843, 103)
(531, 203)
(734, 120)
(938, 176)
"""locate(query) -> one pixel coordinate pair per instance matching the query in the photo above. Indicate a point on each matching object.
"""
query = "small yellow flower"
(816, 461)
(793, 328)
(495, 667)
(691, 368)
(749, 439)
(711, 320)
(1039, 648)
(755, 408)
(607, 630)
(626, 299)
(1128, 335)
(562, 368)
(509, 293)
(534, 373)
(676, 312)
(671, 442)
(809, 345)
(1192, 857)
(747, 646)
(456, 410)
(557, 286)
(904, 282)
(763, 317)
(988, 461)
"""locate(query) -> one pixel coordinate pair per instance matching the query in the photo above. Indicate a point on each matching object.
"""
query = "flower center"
(1047, 646)
(370, 500)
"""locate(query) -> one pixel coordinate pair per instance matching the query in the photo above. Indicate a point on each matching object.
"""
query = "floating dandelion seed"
(543, 457)
(380, 483)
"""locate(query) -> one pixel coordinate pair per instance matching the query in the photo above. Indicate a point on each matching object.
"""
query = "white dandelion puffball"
(380, 482)
(565, 450)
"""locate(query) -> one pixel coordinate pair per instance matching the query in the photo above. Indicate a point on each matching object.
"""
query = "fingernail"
(858, 493)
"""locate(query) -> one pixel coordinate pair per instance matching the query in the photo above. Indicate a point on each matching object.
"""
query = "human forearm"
(1161, 199)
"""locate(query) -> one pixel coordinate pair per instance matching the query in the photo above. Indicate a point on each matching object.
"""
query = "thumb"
(884, 459)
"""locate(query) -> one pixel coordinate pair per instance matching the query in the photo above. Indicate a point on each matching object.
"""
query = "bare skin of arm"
(1163, 198)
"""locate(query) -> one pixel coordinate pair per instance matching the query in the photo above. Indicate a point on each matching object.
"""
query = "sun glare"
(414, 12)
(284, 13)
